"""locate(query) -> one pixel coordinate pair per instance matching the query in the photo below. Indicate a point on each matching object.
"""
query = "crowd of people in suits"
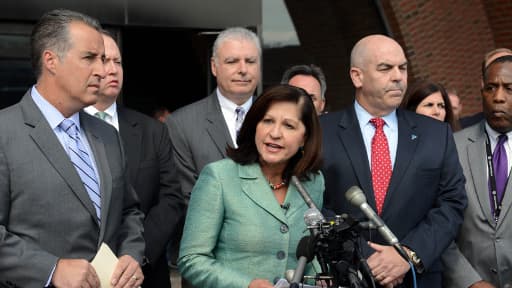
(91, 171)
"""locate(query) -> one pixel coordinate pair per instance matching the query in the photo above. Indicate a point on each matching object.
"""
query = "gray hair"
(235, 33)
(52, 33)
(309, 70)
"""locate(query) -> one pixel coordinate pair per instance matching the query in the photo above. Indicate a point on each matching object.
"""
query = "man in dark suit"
(151, 168)
(63, 183)
(201, 131)
(411, 175)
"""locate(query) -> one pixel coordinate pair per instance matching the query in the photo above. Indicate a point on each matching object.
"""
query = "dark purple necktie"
(500, 163)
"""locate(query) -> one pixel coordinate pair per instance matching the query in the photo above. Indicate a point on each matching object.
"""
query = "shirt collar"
(364, 117)
(111, 110)
(229, 105)
(52, 115)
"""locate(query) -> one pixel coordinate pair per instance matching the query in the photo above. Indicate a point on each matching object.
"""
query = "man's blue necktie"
(82, 163)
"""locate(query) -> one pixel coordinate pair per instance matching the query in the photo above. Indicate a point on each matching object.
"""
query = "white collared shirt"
(111, 117)
(228, 111)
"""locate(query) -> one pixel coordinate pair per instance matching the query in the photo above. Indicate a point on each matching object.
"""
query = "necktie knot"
(69, 127)
(101, 114)
(378, 123)
(502, 139)
(240, 113)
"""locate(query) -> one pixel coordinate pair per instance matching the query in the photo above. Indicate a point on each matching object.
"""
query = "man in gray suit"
(482, 256)
(201, 131)
(63, 187)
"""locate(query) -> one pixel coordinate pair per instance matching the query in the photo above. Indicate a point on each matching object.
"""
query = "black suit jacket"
(425, 201)
(152, 172)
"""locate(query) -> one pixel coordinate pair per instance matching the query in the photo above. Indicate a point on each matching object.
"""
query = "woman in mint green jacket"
(244, 220)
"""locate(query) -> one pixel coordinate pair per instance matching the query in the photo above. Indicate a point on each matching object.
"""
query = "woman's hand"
(260, 283)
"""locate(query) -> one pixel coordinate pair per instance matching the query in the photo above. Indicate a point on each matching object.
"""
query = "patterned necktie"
(101, 114)
(381, 163)
(82, 163)
(240, 114)
(500, 163)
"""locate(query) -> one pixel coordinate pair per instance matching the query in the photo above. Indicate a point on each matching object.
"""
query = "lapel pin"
(413, 136)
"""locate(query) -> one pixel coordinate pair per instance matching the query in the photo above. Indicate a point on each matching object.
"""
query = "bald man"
(419, 188)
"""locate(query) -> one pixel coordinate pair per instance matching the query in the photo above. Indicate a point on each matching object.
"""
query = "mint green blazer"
(236, 231)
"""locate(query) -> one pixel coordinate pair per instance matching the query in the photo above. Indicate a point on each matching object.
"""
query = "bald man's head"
(379, 74)
(366, 49)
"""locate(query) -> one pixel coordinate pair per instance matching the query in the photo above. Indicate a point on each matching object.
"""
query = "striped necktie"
(240, 114)
(82, 163)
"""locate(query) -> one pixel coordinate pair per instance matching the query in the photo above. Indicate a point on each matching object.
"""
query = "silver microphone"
(303, 192)
(313, 217)
(356, 197)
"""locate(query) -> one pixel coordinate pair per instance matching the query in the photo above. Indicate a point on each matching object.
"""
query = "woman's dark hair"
(422, 90)
(306, 160)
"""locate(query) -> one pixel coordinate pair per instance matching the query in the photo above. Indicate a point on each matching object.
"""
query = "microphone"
(313, 217)
(356, 197)
(285, 206)
(305, 253)
(303, 193)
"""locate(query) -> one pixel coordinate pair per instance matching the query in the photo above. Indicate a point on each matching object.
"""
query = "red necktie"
(381, 163)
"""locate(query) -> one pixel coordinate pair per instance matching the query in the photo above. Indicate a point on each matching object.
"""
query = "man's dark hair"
(52, 33)
(308, 70)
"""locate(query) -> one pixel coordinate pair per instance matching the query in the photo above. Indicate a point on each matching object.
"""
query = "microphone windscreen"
(313, 217)
(355, 196)
(306, 248)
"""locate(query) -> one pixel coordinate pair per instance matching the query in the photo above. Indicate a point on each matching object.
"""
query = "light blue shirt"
(368, 130)
(54, 118)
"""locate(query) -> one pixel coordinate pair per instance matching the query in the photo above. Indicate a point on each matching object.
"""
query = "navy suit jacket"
(425, 201)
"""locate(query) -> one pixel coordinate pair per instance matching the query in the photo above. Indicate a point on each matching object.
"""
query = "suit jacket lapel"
(352, 140)
(256, 188)
(476, 159)
(43, 135)
(217, 127)
(102, 166)
(131, 134)
(406, 146)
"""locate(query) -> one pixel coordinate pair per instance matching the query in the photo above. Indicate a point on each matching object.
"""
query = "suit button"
(281, 255)
(493, 270)
(284, 228)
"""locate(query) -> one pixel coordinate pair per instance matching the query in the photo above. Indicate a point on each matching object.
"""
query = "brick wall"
(444, 40)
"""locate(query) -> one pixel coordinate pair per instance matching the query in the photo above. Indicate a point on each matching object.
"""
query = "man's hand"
(260, 283)
(481, 284)
(387, 266)
(75, 273)
(127, 273)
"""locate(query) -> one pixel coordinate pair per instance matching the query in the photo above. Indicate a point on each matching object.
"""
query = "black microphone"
(356, 197)
(303, 192)
(305, 253)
